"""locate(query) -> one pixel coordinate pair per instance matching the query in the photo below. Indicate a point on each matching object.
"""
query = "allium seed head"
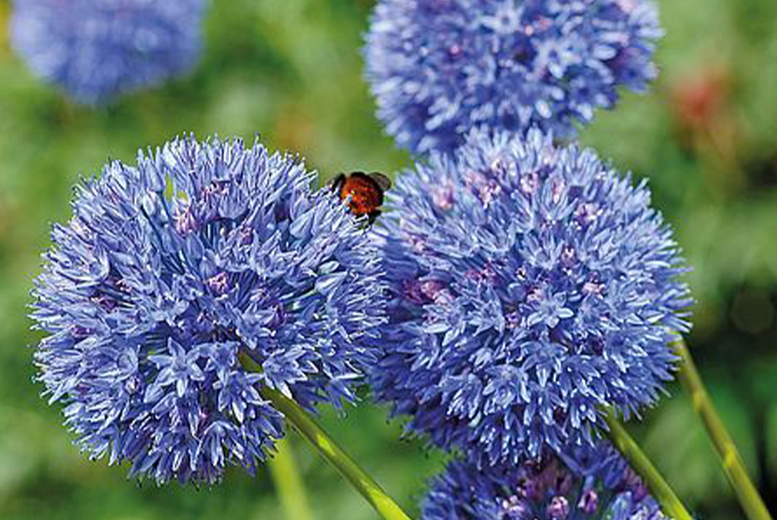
(540, 288)
(171, 269)
(440, 67)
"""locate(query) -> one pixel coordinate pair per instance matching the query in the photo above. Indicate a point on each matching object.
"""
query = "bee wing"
(381, 180)
(337, 182)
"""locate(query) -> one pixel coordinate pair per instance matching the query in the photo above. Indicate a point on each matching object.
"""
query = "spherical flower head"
(98, 49)
(174, 274)
(530, 285)
(440, 67)
(589, 484)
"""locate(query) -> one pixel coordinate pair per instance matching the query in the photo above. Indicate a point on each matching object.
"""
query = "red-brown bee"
(363, 191)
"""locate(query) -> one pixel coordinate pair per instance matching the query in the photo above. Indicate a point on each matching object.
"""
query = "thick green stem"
(732, 463)
(315, 434)
(639, 462)
(364, 484)
(288, 484)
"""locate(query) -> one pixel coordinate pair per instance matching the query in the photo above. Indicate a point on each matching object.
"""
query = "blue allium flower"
(98, 49)
(590, 484)
(441, 67)
(168, 272)
(530, 285)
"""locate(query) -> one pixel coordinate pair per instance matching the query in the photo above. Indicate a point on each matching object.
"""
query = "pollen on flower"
(558, 509)
(444, 197)
(185, 222)
(218, 283)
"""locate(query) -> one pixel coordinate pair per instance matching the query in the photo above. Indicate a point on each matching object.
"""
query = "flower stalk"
(733, 466)
(307, 426)
(288, 484)
(312, 431)
(641, 464)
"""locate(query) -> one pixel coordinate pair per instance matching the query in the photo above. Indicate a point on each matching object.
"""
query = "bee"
(363, 192)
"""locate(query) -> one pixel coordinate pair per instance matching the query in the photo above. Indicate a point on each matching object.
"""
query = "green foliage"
(291, 70)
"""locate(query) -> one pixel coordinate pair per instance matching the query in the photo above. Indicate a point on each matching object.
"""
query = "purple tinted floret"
(172, 270)
(98, 49)
(589, 484)
(530, 286)
(441, 67)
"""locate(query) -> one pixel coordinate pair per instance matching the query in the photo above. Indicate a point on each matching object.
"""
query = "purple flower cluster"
(441, 67)
(98, 49)
(588, 484)
(171, 270)
(530, 285)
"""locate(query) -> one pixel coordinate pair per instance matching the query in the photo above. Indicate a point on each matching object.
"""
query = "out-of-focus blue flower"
(590, 484)
(98, 49)
(441, 67)
(168, 271)
(530, 285)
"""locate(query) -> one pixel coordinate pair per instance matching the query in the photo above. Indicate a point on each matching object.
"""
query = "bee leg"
(372, 216)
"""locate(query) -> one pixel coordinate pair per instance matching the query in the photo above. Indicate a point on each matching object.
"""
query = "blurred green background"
(706, 136)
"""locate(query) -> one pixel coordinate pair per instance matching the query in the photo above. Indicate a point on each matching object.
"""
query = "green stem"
(639, 462)
(364, 484)
(319, 439)
(288, 484)
(732, 463)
